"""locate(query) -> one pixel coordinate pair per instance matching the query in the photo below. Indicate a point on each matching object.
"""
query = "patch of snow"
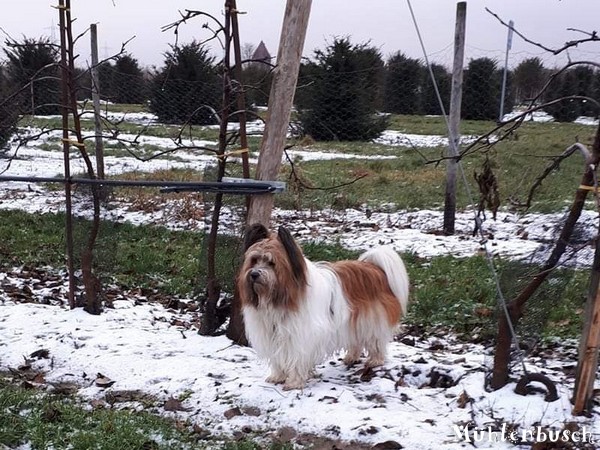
(416, 399)
(543, 117)
(397, 138)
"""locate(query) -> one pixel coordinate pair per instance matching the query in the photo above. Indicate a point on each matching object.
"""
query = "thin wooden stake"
(64, 68)
(96, 102)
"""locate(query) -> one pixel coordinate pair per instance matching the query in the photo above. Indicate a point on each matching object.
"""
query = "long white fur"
(388, 260)
(295, 341)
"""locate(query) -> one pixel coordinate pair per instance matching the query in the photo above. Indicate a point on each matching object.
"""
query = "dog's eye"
(271, 263)
(253, 260)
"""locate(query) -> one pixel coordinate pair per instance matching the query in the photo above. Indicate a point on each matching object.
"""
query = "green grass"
(47, 421)
(150, 257)
(436, 125)
(457, 294)
(460, 295)
(516, 162)
(119, 107)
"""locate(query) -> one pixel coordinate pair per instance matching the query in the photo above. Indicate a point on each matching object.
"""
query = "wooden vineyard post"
(454, 118)
(589, 345)
(281, 97)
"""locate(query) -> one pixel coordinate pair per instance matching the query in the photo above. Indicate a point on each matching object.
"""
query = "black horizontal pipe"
(225, 187)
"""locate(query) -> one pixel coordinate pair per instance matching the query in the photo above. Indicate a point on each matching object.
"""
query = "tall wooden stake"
(236, 330)
(64, 76)
(589, 345)
(454, 118)
(241, 97)
(96, 102)
(285, 77)
(505, 73)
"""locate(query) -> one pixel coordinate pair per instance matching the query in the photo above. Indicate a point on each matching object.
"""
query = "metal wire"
(489, 257)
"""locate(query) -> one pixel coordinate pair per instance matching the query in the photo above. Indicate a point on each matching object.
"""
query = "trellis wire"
(478, 221)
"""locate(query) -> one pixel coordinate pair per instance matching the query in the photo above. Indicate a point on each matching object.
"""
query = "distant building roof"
(261, 53)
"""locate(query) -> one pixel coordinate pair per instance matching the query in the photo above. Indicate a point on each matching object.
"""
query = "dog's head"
(273, 273)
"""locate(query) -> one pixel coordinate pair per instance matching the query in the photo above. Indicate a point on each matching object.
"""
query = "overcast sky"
(387, 24)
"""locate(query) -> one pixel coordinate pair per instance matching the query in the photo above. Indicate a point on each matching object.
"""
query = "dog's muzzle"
(253, 275)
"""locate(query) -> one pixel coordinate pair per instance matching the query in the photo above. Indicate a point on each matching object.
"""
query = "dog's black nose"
(254, 274)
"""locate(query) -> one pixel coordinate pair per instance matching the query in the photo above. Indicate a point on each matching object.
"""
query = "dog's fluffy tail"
(390, 262)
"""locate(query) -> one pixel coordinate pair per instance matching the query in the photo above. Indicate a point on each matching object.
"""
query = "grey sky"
(385, 23)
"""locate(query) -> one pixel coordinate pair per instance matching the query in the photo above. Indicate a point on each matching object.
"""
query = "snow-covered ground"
(431, 387)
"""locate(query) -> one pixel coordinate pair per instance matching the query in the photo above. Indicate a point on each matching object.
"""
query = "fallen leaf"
(40, 354)
(39, 378)
(98, 404)
(463, 400)
(252, 411)
(328, 399)
(387, 445)
(173, 404)
(103, 382)
(230, 413)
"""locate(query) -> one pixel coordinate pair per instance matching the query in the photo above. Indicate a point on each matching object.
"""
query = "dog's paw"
(291, 385)
(352, 357)
(275, 378)
(350, 361)
(375, 362)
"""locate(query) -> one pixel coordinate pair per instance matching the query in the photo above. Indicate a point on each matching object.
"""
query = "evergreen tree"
(129, 85)
(584, 80)
(105, 73)
(84, 84)
(482, 89)
(403, 85)
(564, 85)
(257, 78)
(305, 87)
(595, 94)
(529, 79)
(343, 95)
(36, 62)
(187, 89)
(8, 114)
(443, 79)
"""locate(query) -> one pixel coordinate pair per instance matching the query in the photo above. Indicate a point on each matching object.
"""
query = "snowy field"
(430, 389)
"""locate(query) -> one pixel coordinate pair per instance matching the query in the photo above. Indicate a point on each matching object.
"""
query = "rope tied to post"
(237, 152)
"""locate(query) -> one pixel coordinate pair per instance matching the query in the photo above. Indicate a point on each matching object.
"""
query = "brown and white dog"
(298, 312)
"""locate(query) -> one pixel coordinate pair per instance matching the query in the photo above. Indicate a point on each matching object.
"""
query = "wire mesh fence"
(379, 116)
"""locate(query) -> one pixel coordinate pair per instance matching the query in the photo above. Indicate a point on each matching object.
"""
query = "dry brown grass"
(184, 206)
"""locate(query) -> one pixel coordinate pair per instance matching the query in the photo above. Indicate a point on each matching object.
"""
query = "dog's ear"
(294, 254)
(254, 233)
